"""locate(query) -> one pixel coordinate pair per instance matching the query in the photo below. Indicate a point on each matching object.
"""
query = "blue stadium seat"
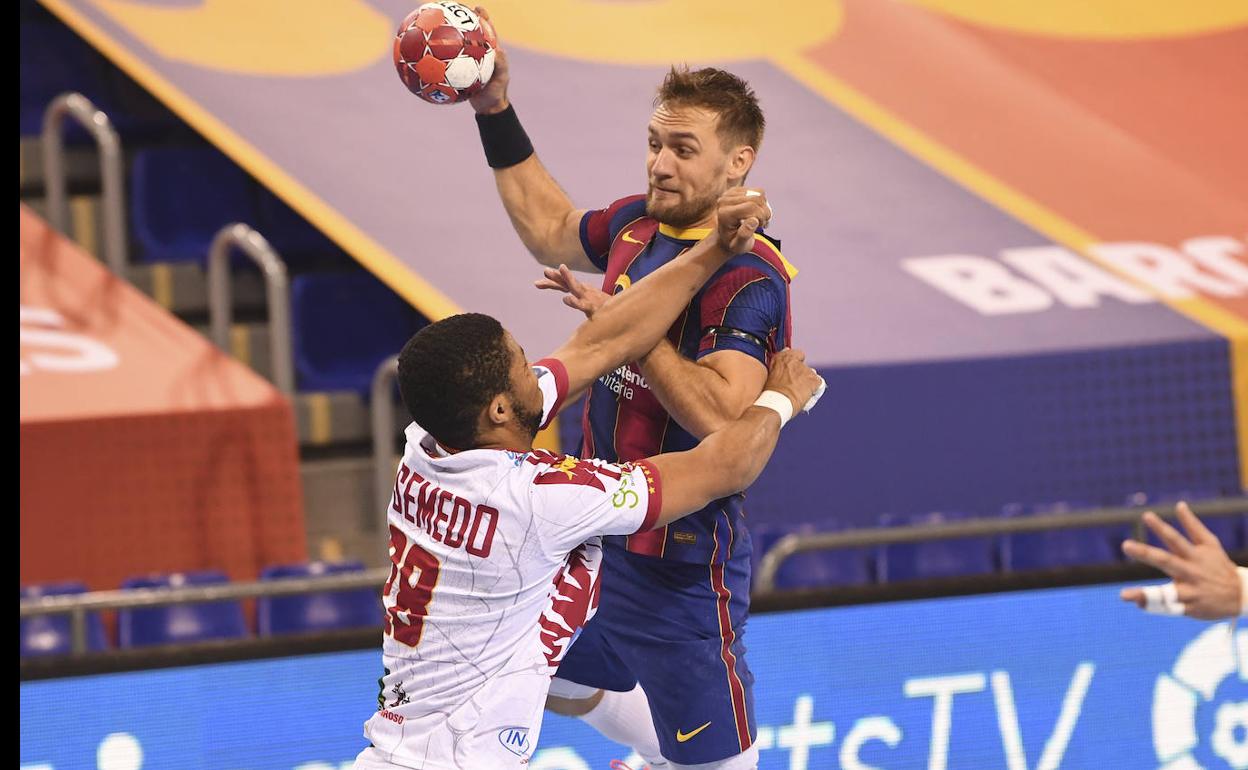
(290, 234)
(183, 622)
(181, 197)
(816, 569)
(1232, 530)
(344, 326)
(317, 612)
(1060, 547)
(935, 558)
(53, 60)
(50, 634)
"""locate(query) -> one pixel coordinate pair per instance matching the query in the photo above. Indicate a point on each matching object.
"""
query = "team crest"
(570, 470)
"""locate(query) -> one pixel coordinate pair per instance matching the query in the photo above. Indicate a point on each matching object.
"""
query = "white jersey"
(495, 565)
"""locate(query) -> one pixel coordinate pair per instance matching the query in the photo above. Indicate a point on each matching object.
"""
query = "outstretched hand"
(1206, 582)
(576, 294)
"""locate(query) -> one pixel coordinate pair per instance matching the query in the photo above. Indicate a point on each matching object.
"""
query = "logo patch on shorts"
(687, 538)
(515, 740)
(682, 737)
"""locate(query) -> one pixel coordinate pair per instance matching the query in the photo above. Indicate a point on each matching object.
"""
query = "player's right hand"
(493, 98)
(790, 375)
(1206, 580)
(740, 213)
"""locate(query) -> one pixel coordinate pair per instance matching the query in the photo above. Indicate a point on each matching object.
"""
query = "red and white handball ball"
(444, 52)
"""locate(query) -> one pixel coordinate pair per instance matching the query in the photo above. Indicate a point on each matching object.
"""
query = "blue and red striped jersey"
(744, 307)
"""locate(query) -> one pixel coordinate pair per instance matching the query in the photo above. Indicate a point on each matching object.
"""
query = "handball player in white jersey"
(495, 546)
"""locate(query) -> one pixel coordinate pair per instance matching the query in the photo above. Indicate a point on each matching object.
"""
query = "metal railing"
(96, 122)
(277, 290)
(78, 605)
(792, 544)
(382, 413)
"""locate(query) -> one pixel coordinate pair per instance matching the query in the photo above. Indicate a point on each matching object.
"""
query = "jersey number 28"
(417, 573)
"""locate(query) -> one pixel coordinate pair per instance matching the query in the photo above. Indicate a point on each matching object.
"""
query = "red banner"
(143, 447)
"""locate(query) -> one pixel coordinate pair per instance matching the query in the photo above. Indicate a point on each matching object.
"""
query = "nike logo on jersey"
(682, 737)
(628, 238)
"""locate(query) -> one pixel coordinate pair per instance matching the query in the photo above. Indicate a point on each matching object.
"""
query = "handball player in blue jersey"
(662, 666)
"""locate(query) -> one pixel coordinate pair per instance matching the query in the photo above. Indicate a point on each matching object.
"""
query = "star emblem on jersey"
(569, 470)
(628, 238)
(682, 737)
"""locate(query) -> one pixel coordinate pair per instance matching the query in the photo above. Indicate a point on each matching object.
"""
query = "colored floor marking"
(1026, 210)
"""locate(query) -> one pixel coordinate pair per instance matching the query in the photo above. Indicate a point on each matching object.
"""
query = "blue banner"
(1036, 680)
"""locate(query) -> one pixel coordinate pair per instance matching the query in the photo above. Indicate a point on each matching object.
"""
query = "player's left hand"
(740, 213)
(577, 295)
(493, 97)
(1205, 578)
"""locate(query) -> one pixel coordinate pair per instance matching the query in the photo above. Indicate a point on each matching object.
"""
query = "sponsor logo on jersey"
(393, 717)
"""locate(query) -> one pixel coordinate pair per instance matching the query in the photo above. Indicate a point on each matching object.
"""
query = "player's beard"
(530, 419)
(681, 213)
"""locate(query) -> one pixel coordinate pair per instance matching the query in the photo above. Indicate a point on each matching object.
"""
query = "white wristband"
(778, 403)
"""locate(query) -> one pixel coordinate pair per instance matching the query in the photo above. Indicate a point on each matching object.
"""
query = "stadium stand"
(317, 611)
(297, 241)
(1058, 548)
(50, 634)
(76, 67)
(933, 559)
(344, 326)
(179, 623)
(180, 198)
(840, 567)
(1231, 530)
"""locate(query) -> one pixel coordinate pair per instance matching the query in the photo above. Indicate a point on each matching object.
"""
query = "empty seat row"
(180, 197)
(1018, 552)
(54, 60)
(182, 623)
(344, 323)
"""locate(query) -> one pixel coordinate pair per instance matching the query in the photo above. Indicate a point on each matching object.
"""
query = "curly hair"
(448, 373)
(728, 96)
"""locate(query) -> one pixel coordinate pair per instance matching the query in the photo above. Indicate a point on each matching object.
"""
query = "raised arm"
(540, 211)
(630, 323)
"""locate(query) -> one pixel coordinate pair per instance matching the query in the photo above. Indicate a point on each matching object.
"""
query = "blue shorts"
(676, 628)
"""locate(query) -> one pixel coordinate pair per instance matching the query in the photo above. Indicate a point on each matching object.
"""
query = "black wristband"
(503, 138)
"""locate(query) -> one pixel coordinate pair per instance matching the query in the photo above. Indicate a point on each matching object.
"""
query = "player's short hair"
(449, 371)
(728, 96)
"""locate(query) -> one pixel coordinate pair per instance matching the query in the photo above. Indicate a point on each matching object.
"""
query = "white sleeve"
(552, 379)
(574, 500)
